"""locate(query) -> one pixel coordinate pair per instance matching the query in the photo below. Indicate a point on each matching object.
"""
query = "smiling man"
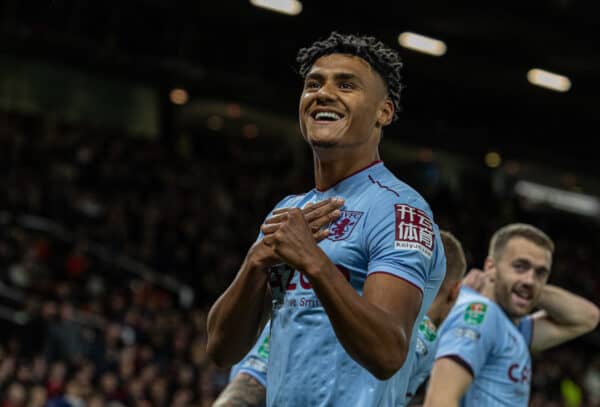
(343, 311)
(483, 354)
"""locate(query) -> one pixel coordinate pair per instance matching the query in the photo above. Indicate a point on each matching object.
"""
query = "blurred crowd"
(79, 330)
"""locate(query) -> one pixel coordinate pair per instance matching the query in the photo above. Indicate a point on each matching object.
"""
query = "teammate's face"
(344, 103)
(520, 274)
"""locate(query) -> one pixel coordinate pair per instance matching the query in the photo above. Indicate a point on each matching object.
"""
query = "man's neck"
(488, 292)
(329, 172)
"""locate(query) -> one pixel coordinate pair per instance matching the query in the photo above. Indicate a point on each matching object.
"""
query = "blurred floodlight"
(291, 7)
(493, 159)
(560, 199)
(548, 80)
(179, 96)
(423, 44)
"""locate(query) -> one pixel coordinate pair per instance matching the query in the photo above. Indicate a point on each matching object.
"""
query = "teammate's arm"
(236, 319)
(375, 328)
(243, 391)
(448, 382)
(563, 316)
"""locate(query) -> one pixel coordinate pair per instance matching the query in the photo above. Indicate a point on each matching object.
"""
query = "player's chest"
(345, 249)
(514, 360)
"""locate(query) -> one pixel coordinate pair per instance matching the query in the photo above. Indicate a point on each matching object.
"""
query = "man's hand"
(321, 214)
(293, 238)
(475, 279)
(237, 317)
(478, 280)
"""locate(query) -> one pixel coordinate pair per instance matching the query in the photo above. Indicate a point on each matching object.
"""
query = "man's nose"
(326, 93)
(528, 278)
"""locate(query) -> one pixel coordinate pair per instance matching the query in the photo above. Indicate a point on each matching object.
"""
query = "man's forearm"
(367, 332)
(566, 308)
(439, 400)
(235, 319)
(243, 391)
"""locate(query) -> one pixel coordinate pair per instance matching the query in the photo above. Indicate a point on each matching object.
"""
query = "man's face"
(344, 103)
(520, 274)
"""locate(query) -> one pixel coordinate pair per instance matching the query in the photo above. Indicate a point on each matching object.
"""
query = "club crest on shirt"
(342, 227)
(414, 230)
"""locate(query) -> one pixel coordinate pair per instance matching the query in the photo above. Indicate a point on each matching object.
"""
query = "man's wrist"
(317, 264)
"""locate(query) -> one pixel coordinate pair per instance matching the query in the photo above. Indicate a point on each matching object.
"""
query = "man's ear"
(489, 267)
(385, 113)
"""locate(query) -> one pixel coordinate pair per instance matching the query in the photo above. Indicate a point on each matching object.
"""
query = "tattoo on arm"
(243, 391)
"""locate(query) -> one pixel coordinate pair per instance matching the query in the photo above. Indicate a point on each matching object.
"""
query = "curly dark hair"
(383, 59)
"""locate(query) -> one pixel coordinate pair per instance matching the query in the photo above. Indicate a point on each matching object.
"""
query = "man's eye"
(312, 85)
(519, 266)
(347, 85)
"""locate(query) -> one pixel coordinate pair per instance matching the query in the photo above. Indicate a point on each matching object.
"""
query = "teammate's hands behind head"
(478, 280)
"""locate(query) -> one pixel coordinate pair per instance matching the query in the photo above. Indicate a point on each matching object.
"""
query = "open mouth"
(327, 116)
(523, 297)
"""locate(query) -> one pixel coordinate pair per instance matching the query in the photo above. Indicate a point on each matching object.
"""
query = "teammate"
(345, 313)
(427, 340)
(248, 378)
(483, 354)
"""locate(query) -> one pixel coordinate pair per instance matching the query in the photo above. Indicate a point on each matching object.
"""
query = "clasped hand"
(291, 234)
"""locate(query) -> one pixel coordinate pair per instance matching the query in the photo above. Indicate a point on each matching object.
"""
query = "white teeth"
(327, 115)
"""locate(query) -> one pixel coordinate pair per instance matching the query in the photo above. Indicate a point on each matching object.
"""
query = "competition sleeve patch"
(263, 350)
(475, 313)
(414, 230)
(428, 330)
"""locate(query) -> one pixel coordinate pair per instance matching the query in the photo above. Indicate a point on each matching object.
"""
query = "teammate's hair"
(524, 230)
(456, 262)
(383, 59)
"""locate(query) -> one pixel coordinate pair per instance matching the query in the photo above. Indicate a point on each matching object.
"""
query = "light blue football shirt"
(425, 350)
(385, 227)
(255, 362)
(480, 336)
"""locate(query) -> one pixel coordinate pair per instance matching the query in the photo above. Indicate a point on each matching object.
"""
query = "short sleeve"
(402, 240)
(469, 334)
(424, 352)
(255, 362)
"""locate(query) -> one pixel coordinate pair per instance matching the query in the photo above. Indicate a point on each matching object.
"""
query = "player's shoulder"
(291, 201)
(474, 309)
(385, 188)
